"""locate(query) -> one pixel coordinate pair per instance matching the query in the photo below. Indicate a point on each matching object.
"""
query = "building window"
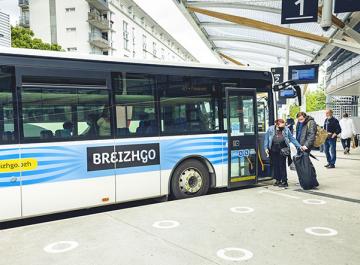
(72, 49)
(70, 9)
(154, 49)
(133, 37)
(162, 53)
(126, 35)
(144, 46)
(70, 29)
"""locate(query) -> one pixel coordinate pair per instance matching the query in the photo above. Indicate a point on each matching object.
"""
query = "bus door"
(242, 136)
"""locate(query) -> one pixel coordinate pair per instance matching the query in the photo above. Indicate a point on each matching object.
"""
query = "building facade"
(5, 30)
(109, 27)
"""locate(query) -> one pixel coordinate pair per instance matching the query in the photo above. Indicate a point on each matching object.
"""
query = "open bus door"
(241, 105)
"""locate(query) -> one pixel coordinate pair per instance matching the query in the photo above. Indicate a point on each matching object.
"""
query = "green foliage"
(316, 101)
(294, 110)
(24, 38)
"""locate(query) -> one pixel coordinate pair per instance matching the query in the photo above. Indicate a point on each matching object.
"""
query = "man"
(332, 126)
(305, 131)
(347, 132)
(290, 124)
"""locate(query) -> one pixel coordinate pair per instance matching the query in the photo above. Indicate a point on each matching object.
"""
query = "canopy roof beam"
(234, 61)
(258, 52)
(252, 23)
(237, 5)
(255, 41)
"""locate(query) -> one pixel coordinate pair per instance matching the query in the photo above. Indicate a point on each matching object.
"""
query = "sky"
(165, 12)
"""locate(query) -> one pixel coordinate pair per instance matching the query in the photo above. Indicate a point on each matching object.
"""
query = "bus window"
(64, 113)
(7, 131)
(135, 105)
(263, 111)
(188, 105)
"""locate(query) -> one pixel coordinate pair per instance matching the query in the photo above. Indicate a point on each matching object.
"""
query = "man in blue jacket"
(332, 126)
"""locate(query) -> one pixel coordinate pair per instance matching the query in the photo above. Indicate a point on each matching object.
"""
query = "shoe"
(277, 183)
(283, 185)
(327, 165)
(331, 166)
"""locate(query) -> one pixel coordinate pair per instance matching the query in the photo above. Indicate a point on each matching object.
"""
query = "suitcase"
(305, 171)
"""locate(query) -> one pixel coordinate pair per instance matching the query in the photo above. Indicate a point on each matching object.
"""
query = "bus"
(85, 131)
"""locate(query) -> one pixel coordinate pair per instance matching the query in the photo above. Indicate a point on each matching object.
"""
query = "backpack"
(321, 136)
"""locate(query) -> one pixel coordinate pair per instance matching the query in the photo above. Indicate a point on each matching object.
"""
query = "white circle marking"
(61, 246)
(314, 201)
(240, 209)
(327, 231)
(166, 224)
(246, 254)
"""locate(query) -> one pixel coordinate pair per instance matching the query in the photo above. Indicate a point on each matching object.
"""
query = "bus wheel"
(190, 179)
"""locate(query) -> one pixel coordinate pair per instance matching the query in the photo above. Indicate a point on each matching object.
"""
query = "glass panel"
(135, 105)
(243, 162)
(242, 120)
(7, 131)
(50, 113)
(263, 111)
(188, 105)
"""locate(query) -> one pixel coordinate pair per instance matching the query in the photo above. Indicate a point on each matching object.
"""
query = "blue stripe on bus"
(70, 162)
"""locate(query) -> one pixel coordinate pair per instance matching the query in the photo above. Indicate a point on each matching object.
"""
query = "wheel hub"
(190, 181)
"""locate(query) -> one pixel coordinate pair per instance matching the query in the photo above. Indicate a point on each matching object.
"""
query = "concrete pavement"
(263, 225)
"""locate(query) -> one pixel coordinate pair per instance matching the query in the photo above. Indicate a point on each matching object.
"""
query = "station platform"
(261, 225)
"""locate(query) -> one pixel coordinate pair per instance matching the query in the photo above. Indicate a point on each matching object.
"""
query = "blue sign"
(244, 153)
(343, 6)
(299, 11)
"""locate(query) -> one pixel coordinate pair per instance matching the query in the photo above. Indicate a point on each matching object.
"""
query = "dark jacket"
(332, 126)
(308, 132)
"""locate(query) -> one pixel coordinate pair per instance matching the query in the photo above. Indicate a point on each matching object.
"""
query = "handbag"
(285, 152)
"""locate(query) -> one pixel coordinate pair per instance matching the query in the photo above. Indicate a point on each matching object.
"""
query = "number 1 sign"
(299, 11)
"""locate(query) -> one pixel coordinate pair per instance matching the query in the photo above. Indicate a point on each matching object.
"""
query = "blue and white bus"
(80, 132)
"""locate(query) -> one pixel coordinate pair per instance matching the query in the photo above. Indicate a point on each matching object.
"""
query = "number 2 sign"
(299, 11)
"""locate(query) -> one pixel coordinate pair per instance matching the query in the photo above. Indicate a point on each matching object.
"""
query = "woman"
(277, 145)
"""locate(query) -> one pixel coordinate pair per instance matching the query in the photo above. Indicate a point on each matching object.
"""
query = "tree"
(24, 38)
(294, 110)
(316, 100)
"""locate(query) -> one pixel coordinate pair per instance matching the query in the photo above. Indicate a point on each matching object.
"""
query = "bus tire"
(190, 179)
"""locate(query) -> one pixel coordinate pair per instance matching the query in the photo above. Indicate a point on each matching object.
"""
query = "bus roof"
(105, 58)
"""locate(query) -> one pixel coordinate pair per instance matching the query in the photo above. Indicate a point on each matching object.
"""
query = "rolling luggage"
(306, 171)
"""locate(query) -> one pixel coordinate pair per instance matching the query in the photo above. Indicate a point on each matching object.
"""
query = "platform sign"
(299, 11)
(278, 73)
(343, 6)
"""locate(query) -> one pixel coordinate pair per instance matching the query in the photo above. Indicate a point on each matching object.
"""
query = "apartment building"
(5, 30)
(108, 27)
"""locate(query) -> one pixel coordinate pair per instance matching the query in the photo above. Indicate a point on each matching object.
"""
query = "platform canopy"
(249, 32)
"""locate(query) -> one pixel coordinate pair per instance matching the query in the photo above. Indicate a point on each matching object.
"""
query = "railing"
(98, 21)
(24, 21)
(344, 75)
(102, 5)
(23, 3)
(99, 40)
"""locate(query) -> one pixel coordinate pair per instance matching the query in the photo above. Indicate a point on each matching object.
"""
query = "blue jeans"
(330, 150)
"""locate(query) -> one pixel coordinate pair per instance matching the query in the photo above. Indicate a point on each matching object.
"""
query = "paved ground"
(267, 226)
